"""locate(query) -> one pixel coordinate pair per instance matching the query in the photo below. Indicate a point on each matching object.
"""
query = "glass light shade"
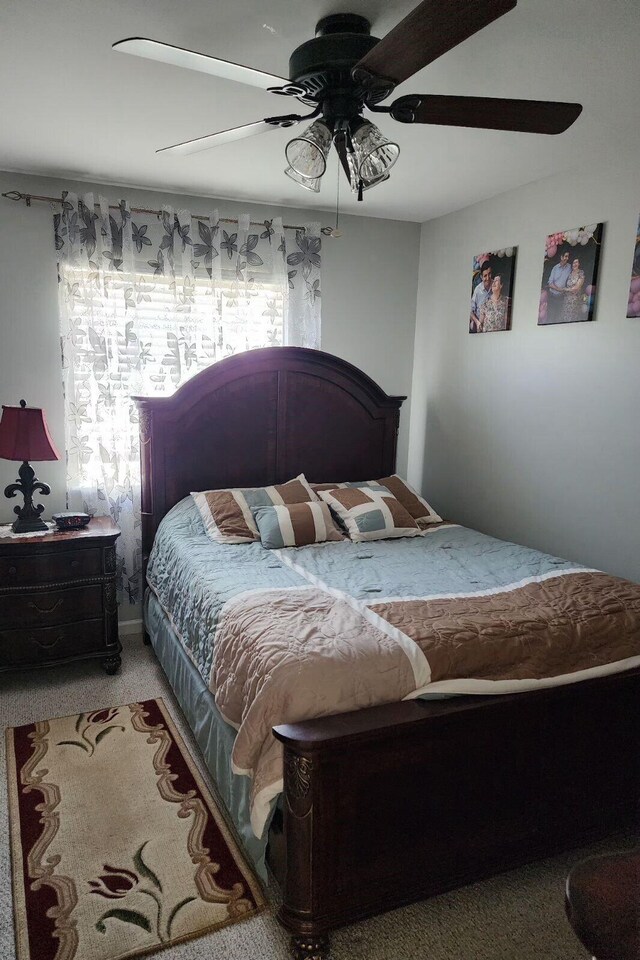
(374, 155)
(367, 184)
(309, 183)
(354, 179)
(307, 154)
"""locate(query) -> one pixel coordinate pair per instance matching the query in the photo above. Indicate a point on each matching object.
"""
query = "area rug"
(117, 845)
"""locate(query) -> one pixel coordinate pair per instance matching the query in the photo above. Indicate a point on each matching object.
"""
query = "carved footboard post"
(301, 894)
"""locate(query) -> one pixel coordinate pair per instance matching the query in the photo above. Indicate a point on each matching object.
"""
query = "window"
(146, 303)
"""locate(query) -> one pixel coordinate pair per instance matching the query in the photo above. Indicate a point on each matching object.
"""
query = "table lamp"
(24, 435)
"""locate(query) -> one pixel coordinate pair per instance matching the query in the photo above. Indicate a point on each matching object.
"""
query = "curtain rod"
(28, 197)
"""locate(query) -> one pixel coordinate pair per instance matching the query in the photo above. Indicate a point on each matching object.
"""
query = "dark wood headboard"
(259, 418)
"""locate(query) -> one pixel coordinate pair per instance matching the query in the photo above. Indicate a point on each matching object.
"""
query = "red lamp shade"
(24, 434)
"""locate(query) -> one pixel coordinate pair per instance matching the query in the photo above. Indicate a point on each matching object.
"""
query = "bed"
(382, 805)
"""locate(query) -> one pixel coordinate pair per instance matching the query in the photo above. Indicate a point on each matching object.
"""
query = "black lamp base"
(28, 526)
(29, 519)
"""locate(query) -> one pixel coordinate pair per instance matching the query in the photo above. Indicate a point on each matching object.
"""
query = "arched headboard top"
(262, 417)
(273, 359)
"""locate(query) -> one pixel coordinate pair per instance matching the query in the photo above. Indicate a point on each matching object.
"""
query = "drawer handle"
(75, 564)
(44, 644)
(12, 571)
(42, 610)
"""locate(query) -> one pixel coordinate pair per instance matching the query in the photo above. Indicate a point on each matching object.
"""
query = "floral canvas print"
(633, 307)
(492, 291)
(570, 275)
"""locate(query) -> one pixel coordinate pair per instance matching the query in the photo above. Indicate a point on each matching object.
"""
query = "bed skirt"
(214, 736)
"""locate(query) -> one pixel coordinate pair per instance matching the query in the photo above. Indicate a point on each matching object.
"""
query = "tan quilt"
(287, 655)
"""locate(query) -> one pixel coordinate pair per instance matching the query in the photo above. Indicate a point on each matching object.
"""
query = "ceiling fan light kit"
(307, 154)
(309, 183)
(344, 70)
(374, 155)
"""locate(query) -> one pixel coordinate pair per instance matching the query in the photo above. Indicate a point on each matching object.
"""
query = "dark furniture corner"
(58, 598)
(603, 905)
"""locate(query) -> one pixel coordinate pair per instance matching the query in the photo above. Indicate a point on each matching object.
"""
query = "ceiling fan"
(344, 70)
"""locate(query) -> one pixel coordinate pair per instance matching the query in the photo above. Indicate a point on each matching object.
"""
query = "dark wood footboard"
(392, 804)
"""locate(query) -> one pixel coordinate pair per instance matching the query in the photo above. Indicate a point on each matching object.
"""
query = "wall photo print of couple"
(569, 279)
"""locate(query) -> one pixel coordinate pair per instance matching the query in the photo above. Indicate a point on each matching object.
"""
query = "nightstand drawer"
(29, 569)
(58, 598)
(43, 644)
(48, 608)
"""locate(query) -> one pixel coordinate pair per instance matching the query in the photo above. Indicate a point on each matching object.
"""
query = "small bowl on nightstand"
(71, 520)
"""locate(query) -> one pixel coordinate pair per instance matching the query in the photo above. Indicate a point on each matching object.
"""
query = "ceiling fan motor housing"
(322, 67)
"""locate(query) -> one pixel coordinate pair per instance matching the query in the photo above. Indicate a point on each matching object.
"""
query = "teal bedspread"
(193, 578)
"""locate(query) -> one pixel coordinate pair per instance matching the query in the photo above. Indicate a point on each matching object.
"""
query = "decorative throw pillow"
(295, 525)
(371, 512)
(413, 503)
(227, 514)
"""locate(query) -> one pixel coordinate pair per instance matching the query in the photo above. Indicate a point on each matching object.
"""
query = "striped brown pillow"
(227, 515)
(295, 525)
(413, 503)
(370, 512)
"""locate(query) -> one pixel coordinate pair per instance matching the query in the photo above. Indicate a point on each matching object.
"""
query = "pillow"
(295, 525)
(227, 514)
(413, 503)
(371, 512)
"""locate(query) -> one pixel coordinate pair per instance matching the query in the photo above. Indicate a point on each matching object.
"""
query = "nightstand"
(58, 598)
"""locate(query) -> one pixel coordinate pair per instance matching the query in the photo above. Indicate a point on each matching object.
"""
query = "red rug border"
(16, 848)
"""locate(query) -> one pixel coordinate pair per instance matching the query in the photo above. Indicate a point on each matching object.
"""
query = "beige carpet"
(125, 849)
(516, 916)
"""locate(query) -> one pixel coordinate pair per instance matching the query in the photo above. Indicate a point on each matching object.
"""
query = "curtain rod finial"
(13, 195)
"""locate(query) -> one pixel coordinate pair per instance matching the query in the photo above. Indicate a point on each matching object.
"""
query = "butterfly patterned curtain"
(145, 303)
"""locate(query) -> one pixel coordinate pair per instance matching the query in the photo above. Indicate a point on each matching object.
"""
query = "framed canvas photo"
(633, 307)
(492, 291)
(570, 275)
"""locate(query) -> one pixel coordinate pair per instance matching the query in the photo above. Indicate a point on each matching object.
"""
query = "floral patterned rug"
(117, 845)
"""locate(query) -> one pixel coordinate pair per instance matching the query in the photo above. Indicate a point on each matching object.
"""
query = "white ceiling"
(72, 107)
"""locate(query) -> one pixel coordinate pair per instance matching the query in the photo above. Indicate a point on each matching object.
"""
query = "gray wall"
(532, 435)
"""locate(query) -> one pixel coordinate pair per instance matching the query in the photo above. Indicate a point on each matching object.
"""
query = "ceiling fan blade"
(491, 113)
(179, 57)
(228, 136)
(434, 27)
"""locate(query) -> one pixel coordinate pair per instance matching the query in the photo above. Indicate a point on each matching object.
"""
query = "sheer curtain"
(145, 303)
